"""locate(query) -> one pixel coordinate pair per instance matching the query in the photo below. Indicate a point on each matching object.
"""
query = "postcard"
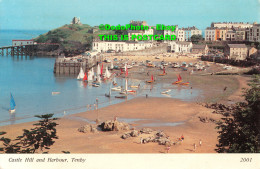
(129, 84)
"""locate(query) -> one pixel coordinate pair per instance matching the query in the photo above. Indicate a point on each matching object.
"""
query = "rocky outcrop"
(154, 136)
(89, 128)
(110, 125)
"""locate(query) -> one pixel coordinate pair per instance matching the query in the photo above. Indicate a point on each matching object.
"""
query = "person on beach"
(141, 140)
(195, 146)
(168, 148)
(200, 142)
(182, 137)
(115, 118)
(94, 106)
(225, 88)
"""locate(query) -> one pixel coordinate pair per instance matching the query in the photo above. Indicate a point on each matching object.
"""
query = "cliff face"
(73, 39)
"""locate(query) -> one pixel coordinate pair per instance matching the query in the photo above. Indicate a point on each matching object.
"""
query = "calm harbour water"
(31, 81)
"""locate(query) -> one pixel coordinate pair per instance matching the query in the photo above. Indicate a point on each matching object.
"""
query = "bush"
(41, 137)
(240, 132)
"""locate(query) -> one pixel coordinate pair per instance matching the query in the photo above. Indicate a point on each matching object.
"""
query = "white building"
(104, 46)
(180, 35)
(180, 47)
(22, 42)
(254, 33)
(210, 34)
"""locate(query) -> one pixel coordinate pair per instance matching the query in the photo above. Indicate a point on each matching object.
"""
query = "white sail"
(98, 79)
(107, 73)
(125, 67)
(81, 74)
(90, 76)
(98, 70)
(126, 85)
(92, 71)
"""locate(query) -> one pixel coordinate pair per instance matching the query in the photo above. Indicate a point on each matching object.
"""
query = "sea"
(31, 81)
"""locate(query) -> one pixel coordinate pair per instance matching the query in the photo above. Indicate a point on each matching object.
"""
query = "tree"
(196, 38)
(41, 137)
(240, 132)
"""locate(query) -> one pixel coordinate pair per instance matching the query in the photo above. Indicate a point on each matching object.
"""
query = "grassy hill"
(72, 37)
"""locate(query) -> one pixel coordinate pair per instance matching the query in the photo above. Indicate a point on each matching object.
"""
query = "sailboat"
(179, 80)
(81, 74)
(90, 76)
(126, 84)
(164, 73)
(107, 74)
(151, 81)
(85, 77)
(101, 71)
(114, 81)
(12, 104)
(98, 70)
(109, 94)
(111, 66)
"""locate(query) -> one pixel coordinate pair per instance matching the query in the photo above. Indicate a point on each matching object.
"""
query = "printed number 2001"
(246, 160)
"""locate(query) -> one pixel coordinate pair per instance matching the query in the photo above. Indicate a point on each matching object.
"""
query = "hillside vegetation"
(72, 37)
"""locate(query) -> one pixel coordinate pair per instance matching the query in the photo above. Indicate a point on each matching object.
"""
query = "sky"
(50, 14)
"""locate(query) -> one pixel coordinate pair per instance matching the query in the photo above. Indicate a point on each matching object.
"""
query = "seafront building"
(180, 47)
(231, 25)
(130, 33)
(180, 35)
(170, 32)
(203, 49)
(210, 34)
(22, 42)
(236, 51)
(254, 33)
(117, 46)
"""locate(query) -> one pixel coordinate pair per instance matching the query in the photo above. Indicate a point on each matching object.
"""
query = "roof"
(237, 45)
(183, 43)
(135, 31)
(198, 46)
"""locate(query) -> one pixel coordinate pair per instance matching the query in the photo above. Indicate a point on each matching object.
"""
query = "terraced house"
(236, 51)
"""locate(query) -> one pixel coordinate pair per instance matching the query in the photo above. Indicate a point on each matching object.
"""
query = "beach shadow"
(162, 152)
(189, 150)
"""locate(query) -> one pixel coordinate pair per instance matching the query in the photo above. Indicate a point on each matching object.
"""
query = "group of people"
(195, 146)
(89, 107)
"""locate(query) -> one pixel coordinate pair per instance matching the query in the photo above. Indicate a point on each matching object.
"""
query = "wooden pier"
(23, 50)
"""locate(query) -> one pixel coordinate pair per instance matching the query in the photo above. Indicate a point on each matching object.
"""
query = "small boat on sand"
(179, 80)
(166, 92)
(164, 73)
(55, 93)
(118, 88)
(151, 81)
(121, 96)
